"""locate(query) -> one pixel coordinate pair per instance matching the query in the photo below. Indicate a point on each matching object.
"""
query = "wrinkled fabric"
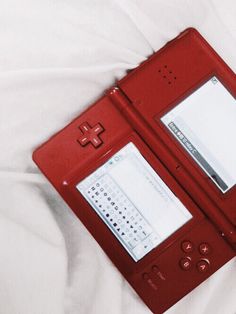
(56, 58)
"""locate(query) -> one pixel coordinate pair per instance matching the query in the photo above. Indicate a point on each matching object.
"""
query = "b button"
(185, 263)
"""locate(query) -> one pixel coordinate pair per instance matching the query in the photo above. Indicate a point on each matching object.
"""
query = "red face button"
(204, 248)
(203, 265)
(187, 246)
(185, 263)
(90, 134)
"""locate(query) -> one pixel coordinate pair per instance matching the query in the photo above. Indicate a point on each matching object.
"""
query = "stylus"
(121, 101)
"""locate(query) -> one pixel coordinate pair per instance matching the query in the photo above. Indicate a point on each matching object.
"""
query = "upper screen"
(134, 202)
(205, 124)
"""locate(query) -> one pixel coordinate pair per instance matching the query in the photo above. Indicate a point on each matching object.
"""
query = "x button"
(90, 134)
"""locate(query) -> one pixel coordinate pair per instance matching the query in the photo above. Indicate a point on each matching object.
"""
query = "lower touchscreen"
(134, 202)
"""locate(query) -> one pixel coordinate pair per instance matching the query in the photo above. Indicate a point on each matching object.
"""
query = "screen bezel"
(128, 152)
(193, 158)
(99, 229)
(176, 147)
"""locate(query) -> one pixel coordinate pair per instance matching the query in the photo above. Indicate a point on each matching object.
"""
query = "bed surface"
(56, 58)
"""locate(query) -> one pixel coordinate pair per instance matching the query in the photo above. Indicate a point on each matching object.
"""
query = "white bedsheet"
(56, 57)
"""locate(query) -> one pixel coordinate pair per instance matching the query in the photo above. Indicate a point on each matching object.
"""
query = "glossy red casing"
(131, 113)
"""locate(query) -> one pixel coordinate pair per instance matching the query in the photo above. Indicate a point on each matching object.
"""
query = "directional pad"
(90, 134)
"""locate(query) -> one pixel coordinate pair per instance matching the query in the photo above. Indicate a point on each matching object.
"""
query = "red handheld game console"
(150, 170)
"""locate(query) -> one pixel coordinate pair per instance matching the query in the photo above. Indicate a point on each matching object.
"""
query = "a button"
(187, 246)
(185, 263)
(90, 134)
(203, 265)
(204, 248)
